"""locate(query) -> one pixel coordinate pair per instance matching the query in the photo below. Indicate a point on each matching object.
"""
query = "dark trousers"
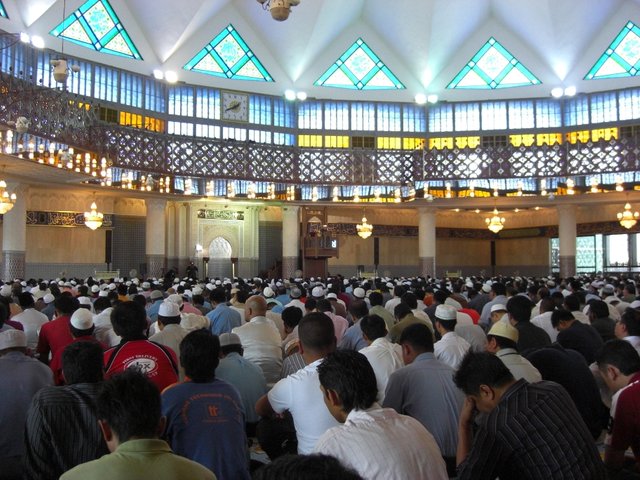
(277, 436)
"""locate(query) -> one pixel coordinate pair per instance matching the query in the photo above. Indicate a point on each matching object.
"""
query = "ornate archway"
(220, 257)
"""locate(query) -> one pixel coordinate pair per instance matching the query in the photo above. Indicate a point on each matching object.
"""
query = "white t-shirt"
(385, 358)
(381, 444)
(262, 346)
(451, 349)
(300, 394)
(544, 322)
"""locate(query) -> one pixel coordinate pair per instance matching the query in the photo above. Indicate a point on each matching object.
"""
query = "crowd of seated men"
(404, 377)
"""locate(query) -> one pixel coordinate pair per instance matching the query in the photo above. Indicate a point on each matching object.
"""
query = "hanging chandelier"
(279, 9)
(627, 218)
(93, 219)
(6, 200)
(364, 229)
(496, 222)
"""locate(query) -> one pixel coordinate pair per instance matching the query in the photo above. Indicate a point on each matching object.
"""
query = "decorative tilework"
(427, 266)
(64, 219)
(95, 25)
(13, 265)
(229, 56)
(621, 58)
(493, 67)
(359, 68)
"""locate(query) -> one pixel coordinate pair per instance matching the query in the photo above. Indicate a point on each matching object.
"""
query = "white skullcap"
(446, 312)
(12, 339)
(169, 309)
(268, 292)
(82, 319)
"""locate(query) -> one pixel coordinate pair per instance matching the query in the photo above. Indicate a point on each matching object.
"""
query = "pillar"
(427, 241)
(567, 232)
(14, 234)
(290, 240)
(155, 236)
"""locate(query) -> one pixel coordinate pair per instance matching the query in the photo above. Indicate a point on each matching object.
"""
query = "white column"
(427, 241)
(249, 251)
(155, 236)
(14, 234)
(290, 240)
(567, 233)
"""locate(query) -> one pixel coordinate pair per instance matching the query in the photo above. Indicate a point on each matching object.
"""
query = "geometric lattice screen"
(229, 56)
(621, 58)
(493, 67)
(359, 68)
(95, 25)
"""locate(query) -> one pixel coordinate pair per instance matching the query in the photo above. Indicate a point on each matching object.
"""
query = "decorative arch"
(219, 253)
(220, 248)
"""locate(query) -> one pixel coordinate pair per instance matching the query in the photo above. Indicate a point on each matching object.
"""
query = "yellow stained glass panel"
(441, 143)
(388, 143)
(310, 141)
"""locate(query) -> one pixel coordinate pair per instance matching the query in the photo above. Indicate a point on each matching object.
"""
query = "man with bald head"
(260, 339)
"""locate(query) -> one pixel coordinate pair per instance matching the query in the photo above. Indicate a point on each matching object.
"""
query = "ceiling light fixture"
(496, 222)
(279, 9)
(171, 76)
(93, 219)
(627, 218)
(60, 65)
(6, 200)
(364, 229)
(420, 98)
(433, 98)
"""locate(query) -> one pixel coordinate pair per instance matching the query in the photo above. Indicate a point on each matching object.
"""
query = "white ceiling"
(424, 42)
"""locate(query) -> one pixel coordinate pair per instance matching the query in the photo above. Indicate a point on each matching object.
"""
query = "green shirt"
(140, 459)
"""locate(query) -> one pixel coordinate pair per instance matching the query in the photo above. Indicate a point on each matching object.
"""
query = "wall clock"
(234, 106)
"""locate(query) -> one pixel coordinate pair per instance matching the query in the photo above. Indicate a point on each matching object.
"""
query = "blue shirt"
(247, 378)
(223, 319)
(352, 339)
(152, 311)
(20, 378)
(425, 391)
(283, 299)
(205, 423)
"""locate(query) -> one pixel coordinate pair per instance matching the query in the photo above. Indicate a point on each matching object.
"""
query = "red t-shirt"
(54, 336)
(624, 427)
(157, 362)
(475, 316)
(56, 360)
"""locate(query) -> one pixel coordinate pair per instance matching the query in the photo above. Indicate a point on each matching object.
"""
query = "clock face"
(235, 106)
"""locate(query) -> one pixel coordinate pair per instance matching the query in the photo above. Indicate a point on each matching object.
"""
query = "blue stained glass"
(493, 67)
(3, 11)
(229, 56)
(621, 58)
(95, 25)
(360, 69)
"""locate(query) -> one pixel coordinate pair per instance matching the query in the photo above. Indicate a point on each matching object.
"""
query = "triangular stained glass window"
(359, 68)
(95, 25)
(229, 56)
(622, 58)
(493, 67)
(3, 11)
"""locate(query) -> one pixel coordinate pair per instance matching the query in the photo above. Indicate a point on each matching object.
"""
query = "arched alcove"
(220, 257)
